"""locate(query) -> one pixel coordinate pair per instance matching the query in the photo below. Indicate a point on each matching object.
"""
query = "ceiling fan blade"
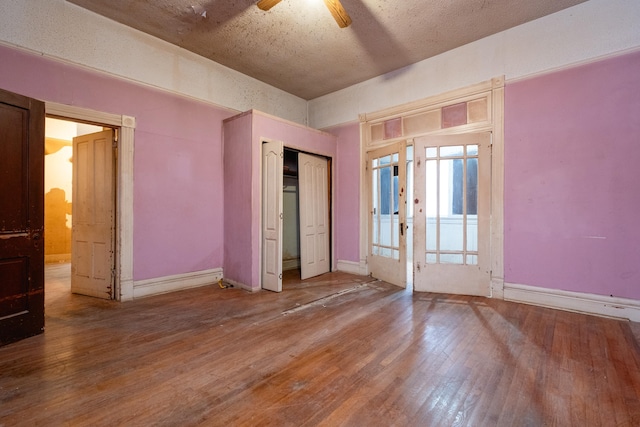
(339, 14)
(267, 4)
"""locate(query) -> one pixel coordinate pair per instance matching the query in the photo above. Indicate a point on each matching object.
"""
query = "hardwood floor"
(333, 350)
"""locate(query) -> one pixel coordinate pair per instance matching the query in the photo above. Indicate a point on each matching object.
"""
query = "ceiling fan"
(335, 7)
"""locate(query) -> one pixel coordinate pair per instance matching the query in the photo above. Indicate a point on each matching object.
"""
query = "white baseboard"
(161, 285)
(600, 305)
(497, 288)
(352, 267)
(240, 285)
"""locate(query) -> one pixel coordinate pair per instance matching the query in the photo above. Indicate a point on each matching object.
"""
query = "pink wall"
(572, 192)
(238, 198)
(178, 186)
(347, 200)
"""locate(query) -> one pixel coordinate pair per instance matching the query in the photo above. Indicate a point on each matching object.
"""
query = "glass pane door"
(452, 213)
(387, 207)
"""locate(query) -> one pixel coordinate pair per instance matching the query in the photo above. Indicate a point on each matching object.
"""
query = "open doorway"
(306, 207)
(79, 185)
(296, 204)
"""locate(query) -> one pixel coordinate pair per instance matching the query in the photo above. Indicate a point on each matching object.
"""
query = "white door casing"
(313, 178)
(386, 172)
(92, 252)
(452, 214)
(272, 164)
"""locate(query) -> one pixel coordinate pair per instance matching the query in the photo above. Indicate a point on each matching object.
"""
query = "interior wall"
(572, 140)
(178, 182)
(61, 30)
(238, 199)
(585, 32)
(347, 204)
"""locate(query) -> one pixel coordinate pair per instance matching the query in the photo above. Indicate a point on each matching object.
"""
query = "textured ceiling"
(298, 47)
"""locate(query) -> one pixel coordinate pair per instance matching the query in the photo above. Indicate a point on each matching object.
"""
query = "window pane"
(472, 186)
(472, 233)
(431, 234)
(451, 225)
(472, 259)
(456, 150)
(409, 177)
(431, 189)
(472, 150)
(385, 190)
(432, 152)
(431, 204)
(451, 259)
(395, 231)
(375, 205)
(431, 258)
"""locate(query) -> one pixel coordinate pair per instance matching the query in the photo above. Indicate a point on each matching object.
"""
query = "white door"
(452, 214)
(272, 163)
(387, 214)
(313, 178)
(92, 244)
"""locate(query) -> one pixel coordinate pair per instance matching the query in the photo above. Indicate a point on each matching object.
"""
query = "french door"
(452, 214)
(386, 169)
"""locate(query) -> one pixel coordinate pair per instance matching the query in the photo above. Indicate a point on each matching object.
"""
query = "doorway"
(80, 196)
(296, 209)
(122, 238)
(453, 204)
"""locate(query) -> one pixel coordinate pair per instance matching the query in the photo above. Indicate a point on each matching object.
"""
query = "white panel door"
(272, 163)
(93, 215)
(313, 177)
(452, 214)
(387, 214)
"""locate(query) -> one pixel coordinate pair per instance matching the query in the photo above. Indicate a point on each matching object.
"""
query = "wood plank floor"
(334, 350)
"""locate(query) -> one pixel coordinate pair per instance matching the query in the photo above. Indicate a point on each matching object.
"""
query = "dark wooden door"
(21, 217)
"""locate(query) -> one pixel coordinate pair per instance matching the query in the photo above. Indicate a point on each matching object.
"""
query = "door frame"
(125, 125)
(485, 104)
(331, 177)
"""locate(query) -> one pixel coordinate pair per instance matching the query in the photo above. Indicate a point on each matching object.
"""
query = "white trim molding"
(162, 285)
(242, 286)
(599, 305)
(124, 184)
(352, 267)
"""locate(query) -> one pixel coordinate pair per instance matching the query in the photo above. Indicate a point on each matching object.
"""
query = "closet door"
(272, 162)
(313, 173)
